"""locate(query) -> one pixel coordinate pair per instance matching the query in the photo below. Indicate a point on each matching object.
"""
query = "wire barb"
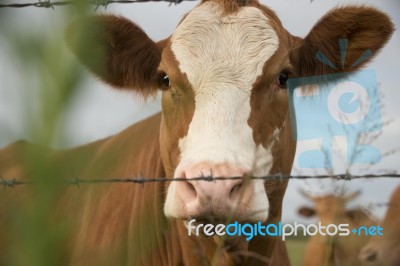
(74, 182)
(45, 4)
(98, 3)
(141, 179)
(7, 182)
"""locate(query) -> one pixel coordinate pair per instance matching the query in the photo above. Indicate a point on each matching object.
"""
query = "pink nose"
(219, 198)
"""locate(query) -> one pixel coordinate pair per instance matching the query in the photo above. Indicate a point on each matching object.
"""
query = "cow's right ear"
(117, 51)
(306, 212)
(344, 40)
(357, 214)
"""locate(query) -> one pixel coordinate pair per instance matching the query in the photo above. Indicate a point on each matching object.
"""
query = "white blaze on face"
(222, 56)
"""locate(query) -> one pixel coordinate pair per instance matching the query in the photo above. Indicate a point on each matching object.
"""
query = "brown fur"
(330, 251)
(108, 222)
(178, 103)
(385, 250)
(364, 28)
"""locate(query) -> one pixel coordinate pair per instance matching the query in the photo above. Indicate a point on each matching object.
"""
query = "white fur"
(222, 56)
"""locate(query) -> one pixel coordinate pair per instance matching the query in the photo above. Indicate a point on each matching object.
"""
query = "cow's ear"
(343, 40)
(351, 196)
(357, 214)
(306, 212)
(117, 51)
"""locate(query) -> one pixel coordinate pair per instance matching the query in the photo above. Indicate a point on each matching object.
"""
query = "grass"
(295, 248)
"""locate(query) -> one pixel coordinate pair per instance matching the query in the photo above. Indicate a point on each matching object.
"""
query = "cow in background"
(385, 250)
(335, 250)
(225, 112)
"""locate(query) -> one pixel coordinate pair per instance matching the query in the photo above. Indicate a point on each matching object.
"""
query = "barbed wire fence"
(96, 3)
(7, 182)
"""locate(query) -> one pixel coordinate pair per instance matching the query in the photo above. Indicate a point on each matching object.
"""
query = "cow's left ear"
(117, 51)
(361, 32)
(351, 196)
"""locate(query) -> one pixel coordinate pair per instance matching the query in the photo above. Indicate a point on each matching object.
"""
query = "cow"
(223, 75)
(385, 250)
(335, 250)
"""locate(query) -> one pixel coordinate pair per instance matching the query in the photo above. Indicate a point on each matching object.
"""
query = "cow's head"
(385, 250)
(223, 75)
(330, 208)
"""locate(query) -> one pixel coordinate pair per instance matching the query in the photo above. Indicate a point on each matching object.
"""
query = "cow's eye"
(282, 79)
(164, 81)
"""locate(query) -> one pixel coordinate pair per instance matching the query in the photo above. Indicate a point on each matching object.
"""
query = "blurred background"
(37, 73)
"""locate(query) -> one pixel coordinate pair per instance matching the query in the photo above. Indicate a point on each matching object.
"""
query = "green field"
(295, 248)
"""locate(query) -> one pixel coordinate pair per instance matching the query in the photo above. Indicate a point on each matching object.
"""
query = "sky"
(97, 111)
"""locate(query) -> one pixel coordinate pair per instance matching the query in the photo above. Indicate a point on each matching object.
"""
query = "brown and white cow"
(385, 250)
(335, 250)
(223, 75)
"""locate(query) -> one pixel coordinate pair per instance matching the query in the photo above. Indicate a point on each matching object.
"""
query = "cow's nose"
(368, 254)
(219, 198)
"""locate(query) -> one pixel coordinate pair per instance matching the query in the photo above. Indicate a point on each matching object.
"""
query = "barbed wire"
(142, 180)
(97, 3)
(382, 205)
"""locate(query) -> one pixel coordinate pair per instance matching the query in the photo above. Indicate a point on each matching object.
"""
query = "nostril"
(235, 190)
(190, 190)
(371, 256)
(368, 254)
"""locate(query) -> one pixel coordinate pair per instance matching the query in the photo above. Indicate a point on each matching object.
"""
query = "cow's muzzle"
(227, 197)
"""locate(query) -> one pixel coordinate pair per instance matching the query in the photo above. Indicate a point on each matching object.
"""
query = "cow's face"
(385, 250)
(224, 104)
(330, 209)
(223, 74)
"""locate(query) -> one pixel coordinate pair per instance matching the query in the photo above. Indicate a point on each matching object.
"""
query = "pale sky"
(98, 111)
